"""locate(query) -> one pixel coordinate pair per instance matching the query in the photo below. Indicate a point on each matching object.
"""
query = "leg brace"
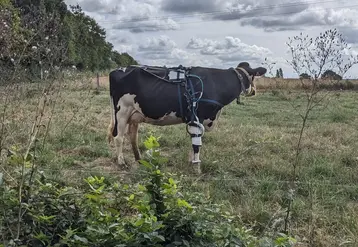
(196, 131)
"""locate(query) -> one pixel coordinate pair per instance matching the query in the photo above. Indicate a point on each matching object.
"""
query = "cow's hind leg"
(133, 135)
(122, 118)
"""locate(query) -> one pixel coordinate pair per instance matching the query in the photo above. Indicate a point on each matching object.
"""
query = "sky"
(220, 33)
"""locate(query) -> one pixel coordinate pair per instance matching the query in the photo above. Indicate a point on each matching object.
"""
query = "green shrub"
(151, 212)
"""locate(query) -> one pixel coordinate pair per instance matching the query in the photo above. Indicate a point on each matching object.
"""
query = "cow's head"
(250, 74)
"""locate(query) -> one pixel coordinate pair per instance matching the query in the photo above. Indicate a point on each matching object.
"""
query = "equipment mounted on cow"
(193, 126)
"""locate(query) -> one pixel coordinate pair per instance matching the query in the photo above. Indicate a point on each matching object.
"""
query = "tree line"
(42, 35)
(328, 74)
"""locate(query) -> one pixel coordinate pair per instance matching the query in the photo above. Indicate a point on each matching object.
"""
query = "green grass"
(247, 160)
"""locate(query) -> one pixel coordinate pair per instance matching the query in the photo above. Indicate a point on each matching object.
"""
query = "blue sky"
(219, 33)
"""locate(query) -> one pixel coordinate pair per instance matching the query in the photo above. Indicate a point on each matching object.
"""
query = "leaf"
(186, 243)
(146, 164)
(183, 203)
(151, 142)
(80, 239)
(160, 237)
(139, 222)
(1, 178)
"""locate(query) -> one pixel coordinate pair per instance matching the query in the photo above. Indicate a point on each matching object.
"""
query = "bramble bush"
(151, 212)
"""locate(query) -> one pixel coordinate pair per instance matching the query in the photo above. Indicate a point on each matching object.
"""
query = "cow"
(146, 94)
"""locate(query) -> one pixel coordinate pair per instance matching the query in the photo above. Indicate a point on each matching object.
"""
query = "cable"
(291, 4)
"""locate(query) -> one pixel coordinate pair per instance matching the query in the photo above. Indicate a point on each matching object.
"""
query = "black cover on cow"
(205, 85)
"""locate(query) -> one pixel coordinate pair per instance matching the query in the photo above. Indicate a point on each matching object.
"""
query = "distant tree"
(280, 72)
(305, 76)
(330, 74)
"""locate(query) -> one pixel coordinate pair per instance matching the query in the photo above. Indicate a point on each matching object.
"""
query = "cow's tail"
(112, 124)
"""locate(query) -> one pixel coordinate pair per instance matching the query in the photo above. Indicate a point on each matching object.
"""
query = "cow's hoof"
(121, 161)
(197, 168)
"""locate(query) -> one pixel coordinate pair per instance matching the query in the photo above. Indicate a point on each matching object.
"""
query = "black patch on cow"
(210, 124)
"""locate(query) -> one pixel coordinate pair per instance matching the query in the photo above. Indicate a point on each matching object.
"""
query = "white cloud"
(159, 31)
(161, 43)
(147, 25)
(129, 15)
(230, 49)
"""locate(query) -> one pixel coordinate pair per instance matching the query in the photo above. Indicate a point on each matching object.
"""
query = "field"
(247, 160)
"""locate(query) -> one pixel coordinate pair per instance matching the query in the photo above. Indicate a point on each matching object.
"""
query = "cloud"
(134, 16)
(270, 15)
(235, 10)
(230, 49)
(147, 25)
(307, 18)
(232, 9)
(161, 43)
(97, 6)
(162, 50)
(350, 35)
(185, 6)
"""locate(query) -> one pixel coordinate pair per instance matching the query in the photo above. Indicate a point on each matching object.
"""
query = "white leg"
(122, 117)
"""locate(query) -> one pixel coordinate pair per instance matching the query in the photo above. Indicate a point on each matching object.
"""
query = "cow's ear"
(243, 64)
(259, 71)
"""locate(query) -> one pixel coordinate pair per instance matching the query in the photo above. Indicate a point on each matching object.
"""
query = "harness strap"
(180, 102)
(241, 78)
(212, 101)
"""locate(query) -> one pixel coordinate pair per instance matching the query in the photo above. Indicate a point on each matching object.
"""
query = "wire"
(265, 7)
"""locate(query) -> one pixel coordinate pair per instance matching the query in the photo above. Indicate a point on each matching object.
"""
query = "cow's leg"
(133, 135)
(122, 117)
(196, 133)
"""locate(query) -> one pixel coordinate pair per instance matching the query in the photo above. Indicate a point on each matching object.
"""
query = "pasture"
(246, 160)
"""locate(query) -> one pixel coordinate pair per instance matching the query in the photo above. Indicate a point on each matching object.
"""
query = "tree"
(123, 59)
(313, 58)
(279, 73)
(329, 74)
(305, 76)
(44, 34)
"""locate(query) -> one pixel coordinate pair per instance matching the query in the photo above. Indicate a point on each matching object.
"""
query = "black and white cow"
(142, 94)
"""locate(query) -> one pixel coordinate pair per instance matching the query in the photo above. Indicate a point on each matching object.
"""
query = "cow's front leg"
(122, 116)
(196, 132)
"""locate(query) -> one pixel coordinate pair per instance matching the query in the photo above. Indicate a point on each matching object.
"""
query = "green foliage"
(123, 59)
(152, 212)
(41, 35)
(329, 74)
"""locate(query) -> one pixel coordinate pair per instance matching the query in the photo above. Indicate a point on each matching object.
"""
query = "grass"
(246, 160)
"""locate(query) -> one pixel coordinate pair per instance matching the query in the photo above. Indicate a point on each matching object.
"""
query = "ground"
(247, 160)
